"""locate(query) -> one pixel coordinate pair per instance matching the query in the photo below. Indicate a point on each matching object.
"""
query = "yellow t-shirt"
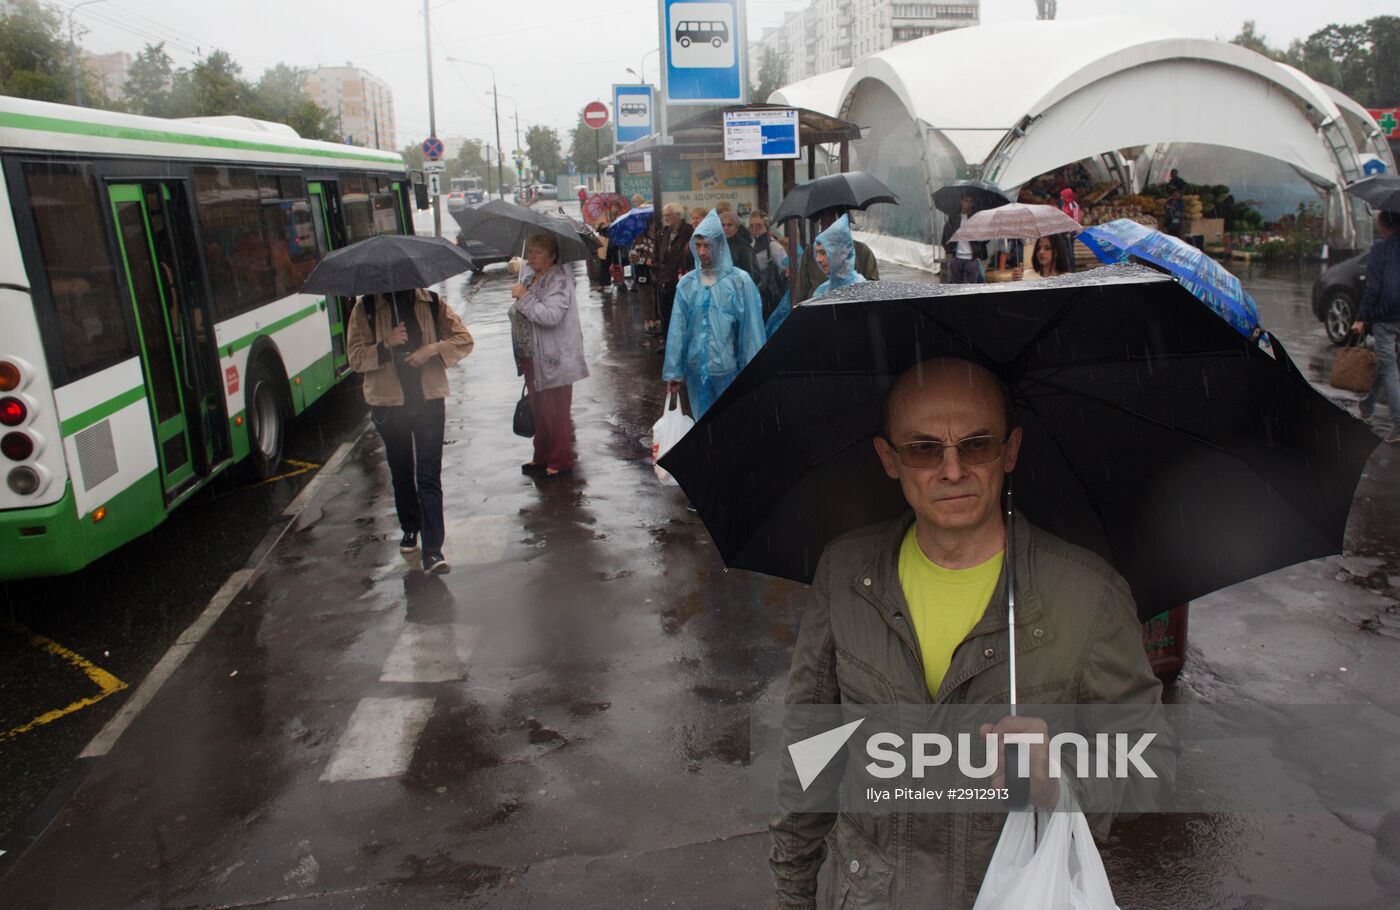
(944, 604)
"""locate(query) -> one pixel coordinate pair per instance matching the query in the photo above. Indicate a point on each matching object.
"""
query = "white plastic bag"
(1062, 872)
(665, 433)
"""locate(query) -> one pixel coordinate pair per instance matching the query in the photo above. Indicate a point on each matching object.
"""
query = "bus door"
(169, 358)
(325, 212)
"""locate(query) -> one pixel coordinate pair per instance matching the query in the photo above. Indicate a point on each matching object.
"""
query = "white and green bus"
(152, 334)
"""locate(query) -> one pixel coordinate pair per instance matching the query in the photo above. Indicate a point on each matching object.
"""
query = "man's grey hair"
(1007, 406)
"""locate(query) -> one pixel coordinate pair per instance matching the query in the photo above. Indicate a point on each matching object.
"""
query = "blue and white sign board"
(704, 52)
(1372, 166)
(632, 107)
(760, 135)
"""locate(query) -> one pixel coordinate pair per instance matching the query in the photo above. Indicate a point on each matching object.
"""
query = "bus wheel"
(267, 420)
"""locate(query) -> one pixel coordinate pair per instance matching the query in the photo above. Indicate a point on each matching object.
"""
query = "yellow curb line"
(106, 682)
(302, 468)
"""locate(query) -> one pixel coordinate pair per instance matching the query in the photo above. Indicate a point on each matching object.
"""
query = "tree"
(542, 145)
(278, 96)
(212, 87)
(1250, 38)
(148, 81)
(772, 75)
(1362, 59)
(34, 58)
(587, 146)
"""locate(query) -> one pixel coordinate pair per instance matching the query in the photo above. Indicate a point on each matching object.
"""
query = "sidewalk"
(561, 721)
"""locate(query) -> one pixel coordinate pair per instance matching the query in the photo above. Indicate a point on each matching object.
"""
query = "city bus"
(152, 332)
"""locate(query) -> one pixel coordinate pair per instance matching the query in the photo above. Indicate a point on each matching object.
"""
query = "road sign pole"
(598, 154)
(432, 114)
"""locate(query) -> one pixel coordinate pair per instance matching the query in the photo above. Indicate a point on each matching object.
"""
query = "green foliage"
(542, 145)
(772, 75)
(1360, 59)
(147, 88)
(35, 61)
(587, 145)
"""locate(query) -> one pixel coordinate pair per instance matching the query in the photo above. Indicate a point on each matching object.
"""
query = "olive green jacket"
(1078, 641)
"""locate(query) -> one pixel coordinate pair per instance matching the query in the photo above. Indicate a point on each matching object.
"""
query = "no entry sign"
(595, 115)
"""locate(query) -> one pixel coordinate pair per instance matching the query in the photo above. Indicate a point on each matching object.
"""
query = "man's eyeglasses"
(928, 453)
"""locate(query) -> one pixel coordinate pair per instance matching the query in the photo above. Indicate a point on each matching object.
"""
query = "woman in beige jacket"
(403, 344)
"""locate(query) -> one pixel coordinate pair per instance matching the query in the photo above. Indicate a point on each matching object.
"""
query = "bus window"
(355, 204)
(91, 321)
(240, 271)
(289, 233)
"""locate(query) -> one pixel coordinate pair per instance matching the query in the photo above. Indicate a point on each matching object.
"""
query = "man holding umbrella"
(964, 256)
(403, 343)
(1380, 313)
(913, 606)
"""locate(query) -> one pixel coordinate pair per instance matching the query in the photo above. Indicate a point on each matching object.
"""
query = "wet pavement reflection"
(563, 719)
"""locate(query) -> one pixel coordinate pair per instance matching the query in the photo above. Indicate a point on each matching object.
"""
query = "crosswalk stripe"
(431, 653)
(379, 739)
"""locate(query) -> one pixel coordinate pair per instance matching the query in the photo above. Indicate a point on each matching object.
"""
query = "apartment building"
(363, 102)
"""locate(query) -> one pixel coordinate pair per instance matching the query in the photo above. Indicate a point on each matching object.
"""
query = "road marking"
(331, 466)
(301, 468)
(431, 654)
(106, 683)
(478, 541)
(379, 740)
(107, 737)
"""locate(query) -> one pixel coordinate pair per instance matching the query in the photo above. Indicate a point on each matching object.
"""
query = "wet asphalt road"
(561, 721)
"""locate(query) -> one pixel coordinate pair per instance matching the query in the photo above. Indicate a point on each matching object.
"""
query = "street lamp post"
(73, 51)
(500, 173)
(432, 113)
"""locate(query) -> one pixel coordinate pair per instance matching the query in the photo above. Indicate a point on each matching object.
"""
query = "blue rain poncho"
(840, 249)
(716, 325)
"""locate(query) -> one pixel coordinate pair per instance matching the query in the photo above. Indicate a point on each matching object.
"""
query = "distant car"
(475, 196)
(548, 191)
(457, 201)
(482, 255)
(1336, 296)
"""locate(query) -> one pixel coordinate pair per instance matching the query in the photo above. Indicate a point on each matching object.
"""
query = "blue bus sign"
(632, 107)
(704, 52)
(760, 135)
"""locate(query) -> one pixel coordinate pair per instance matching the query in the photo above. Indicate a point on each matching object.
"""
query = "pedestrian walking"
(403, 343)
(964, 256)
(1069, 206)
(912, 611)
(549, 353)
(716, 325)
(835, 253)
(1174, 214)
(740, 248)
(1380, 315)
(812, 275)
(771, 260)
(673, 259)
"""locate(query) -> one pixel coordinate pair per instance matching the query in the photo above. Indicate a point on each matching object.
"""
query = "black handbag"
(524, 423)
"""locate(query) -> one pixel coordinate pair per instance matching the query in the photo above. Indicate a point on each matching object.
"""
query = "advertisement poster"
(707, 181)
(636, 181)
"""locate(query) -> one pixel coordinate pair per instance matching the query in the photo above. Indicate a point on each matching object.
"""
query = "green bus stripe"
(107, 131)
(106, 409)
(277, 326)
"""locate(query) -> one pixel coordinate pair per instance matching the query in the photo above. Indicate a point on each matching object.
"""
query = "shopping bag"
(666, 432)
(1063, 871)
(1354, 370)
(524, 422)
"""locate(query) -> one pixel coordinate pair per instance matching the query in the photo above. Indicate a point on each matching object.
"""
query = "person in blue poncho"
(717, 322)
(835, 252)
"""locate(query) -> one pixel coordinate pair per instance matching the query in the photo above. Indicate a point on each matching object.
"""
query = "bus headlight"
(28, 480)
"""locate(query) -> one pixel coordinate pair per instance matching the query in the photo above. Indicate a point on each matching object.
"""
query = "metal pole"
(496, 105)
(598, 154)
(432, 112)
(73, 52)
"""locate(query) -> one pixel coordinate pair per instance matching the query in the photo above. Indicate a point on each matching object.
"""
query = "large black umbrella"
(508, 227)
(948, 198)
(1155, 435)
(1381, 192)
(852, 190)
(389, 262)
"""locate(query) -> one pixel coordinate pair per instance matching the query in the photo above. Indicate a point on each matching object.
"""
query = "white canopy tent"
(1082, 89)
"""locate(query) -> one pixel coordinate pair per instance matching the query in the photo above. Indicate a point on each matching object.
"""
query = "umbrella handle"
(1018, 788)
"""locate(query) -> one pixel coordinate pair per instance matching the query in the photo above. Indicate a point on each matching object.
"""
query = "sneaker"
(690, 507)
(409, 542)
(434, 564)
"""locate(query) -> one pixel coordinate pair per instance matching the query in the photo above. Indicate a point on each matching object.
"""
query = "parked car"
(482, 255)
(548, 191)
(1336, 296)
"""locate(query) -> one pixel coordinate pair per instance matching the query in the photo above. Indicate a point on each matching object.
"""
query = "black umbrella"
(389, 262)
(948, 198)
(1381, 192)
(1155, 435)
(508, 227)
(852, 190)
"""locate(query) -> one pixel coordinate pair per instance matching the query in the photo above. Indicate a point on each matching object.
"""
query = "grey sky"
(551, 56)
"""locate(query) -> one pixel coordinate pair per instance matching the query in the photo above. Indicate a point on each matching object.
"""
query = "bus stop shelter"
(691, 170)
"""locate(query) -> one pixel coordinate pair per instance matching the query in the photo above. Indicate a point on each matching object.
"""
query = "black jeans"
(413, 447)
